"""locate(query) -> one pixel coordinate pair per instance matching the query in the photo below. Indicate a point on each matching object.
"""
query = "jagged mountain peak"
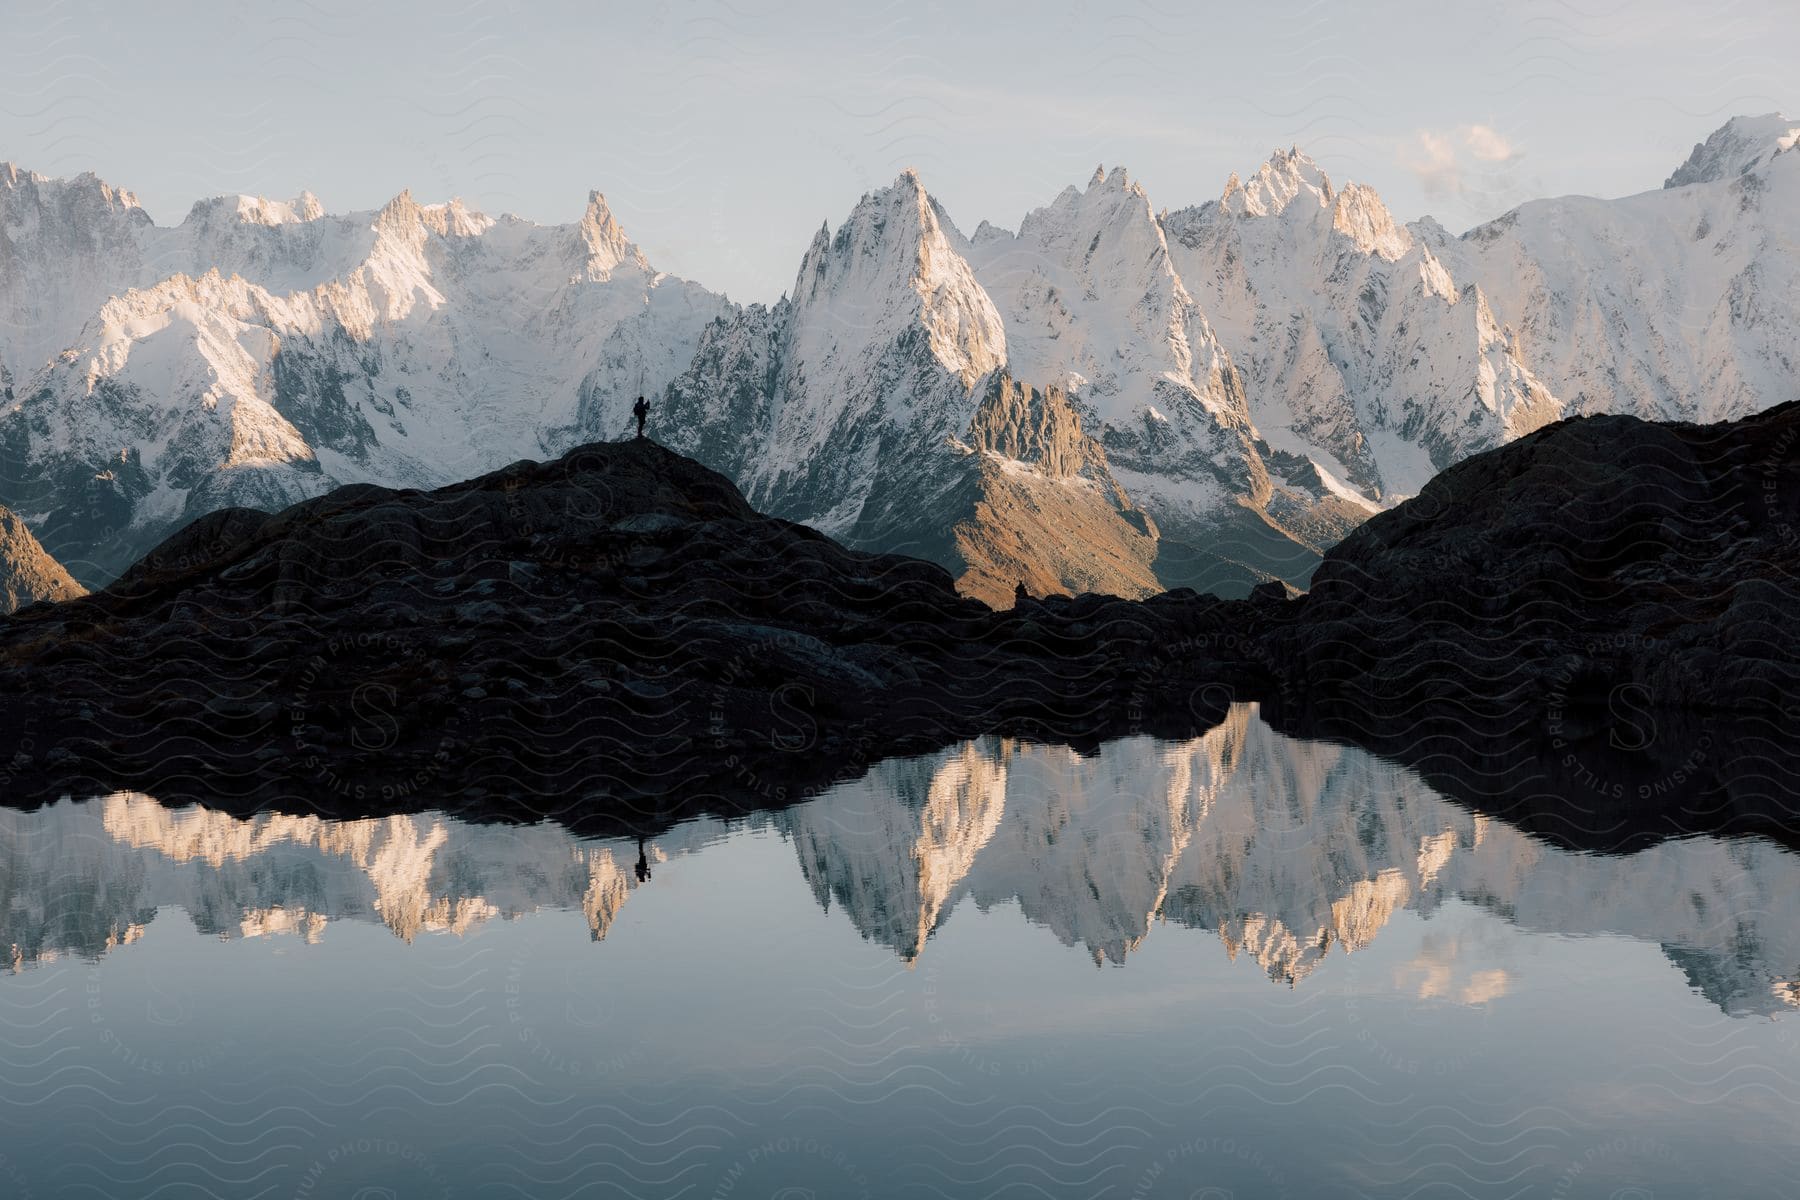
(401, 211)
(1737, 147)
(411, 222)
(602, 239)
(1288, 175)
(1291, 184)
(899, 235)
(256, 210)
(896, 212)
(987, 231)
(15, 178)
(1431, 232)
(875, 207)
(453, 218)
(1111, 199)
(1117, 179)
(1359, 214)
(1101, 182)
(907, 190)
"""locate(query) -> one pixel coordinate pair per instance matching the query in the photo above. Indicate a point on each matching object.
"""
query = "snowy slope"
(1094, 302)
(262, 351)
(1681, 303)
(1363, 353)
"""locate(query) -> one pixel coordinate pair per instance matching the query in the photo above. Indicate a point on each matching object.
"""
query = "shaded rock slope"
(27, 572)
(1596, 558)
(1590, 632)
(1037, 505)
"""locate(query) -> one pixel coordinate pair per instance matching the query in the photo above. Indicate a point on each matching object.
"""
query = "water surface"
(1243, 965)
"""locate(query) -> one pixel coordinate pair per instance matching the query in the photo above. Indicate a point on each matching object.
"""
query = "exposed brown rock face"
(1040, 505)
(1019, 422)
(1047, 512)
(27, 572)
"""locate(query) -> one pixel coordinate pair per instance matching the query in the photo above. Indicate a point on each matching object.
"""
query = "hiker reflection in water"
(643, 862)
(640, 410)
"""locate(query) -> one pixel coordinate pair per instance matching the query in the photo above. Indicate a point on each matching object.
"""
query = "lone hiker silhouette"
(640, 410)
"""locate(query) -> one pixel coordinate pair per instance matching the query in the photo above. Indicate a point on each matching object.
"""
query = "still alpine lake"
(1243, 965)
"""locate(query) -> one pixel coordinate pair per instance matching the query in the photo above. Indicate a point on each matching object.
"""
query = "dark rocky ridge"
(617, 638)
(1593, 631)
(1594, 555)
(616, 632)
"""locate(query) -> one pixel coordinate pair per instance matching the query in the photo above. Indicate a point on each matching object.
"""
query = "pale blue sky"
(723, 133)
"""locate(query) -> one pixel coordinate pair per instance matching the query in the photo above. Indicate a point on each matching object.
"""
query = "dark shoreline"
(616, 640)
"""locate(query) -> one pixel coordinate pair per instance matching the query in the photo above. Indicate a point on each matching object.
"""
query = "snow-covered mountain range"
(1114, 397)
(262, 352)
(1288, 851)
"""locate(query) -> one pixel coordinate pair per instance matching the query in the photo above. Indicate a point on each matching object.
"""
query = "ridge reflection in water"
(1486, 1050)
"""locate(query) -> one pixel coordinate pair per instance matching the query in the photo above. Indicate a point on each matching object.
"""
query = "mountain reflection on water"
(1288, 851)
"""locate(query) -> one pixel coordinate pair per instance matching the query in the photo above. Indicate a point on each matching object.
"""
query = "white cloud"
(1487, 143)
(1436, 156)
(1433, 159)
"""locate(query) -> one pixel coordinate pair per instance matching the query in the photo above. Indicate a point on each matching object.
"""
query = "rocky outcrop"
(1027, 497)
(618, 632)
(27, 572)
(1596, 563)
(1047, 513)
(617, 628)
